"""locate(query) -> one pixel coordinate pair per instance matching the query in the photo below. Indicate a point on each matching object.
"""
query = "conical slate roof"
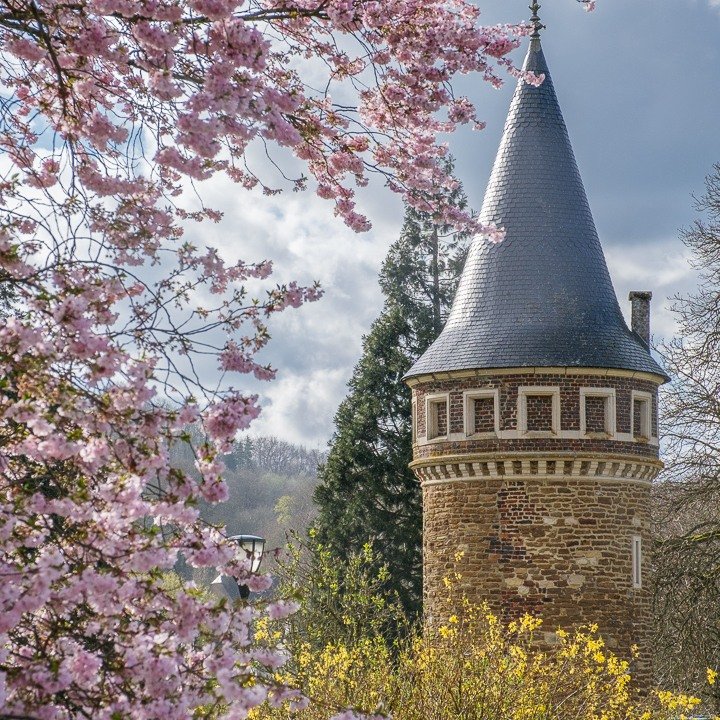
(543, 296)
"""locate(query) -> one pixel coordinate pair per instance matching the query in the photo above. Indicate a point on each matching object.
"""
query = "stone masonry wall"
(556, 547)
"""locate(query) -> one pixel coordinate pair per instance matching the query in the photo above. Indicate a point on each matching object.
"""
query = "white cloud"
(662, 267)
(300, 407)
(651, 127)
(315, 347)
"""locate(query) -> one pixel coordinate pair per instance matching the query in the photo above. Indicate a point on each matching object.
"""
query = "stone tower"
(535, 410)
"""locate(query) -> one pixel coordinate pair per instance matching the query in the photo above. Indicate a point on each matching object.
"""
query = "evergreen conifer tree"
(366, 491)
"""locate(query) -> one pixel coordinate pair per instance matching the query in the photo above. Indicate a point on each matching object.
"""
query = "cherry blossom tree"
(112, 114)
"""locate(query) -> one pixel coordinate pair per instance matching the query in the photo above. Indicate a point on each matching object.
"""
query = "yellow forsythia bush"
(473, 668)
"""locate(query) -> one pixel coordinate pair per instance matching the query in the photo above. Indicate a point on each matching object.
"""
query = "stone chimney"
(640, 300)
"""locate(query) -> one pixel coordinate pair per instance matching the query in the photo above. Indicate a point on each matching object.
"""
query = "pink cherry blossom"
(114, 113)
(223, 420)
(355, 715)
(282, 608)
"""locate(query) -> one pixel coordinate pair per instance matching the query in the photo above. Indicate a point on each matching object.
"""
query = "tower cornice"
(498, 372)
(538, 466)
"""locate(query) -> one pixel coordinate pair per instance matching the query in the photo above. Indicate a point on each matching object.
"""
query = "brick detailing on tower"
(483, 415)
(553, 546)
(625, 441)
(543, 521)
(595, 414)
(539, 413)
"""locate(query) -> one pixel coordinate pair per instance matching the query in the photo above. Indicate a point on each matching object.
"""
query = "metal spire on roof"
(535, 20)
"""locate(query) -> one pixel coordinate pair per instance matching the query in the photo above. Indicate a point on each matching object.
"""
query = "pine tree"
(366, 491)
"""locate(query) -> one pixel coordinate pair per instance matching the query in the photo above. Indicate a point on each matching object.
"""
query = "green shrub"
(474, 667)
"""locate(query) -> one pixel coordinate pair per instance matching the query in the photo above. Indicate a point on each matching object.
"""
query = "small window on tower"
(482, 412)
(637, 561)
(539, 413)
(641, 415)
(437, 416)
(597, 412)
(538, 410)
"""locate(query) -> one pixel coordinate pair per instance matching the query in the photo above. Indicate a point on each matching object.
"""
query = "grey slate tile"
(542, 297)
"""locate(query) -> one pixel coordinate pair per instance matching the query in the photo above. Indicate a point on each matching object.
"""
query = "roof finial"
(535, 20)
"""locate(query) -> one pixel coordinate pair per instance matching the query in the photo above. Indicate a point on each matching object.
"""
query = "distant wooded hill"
(271, 484)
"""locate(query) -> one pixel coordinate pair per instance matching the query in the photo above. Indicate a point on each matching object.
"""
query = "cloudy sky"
(639, 85)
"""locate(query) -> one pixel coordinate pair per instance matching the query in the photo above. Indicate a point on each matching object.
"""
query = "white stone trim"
(517, 435)
(591, 469)
(431, 429)
(427, 480)
(469, 396)
(646, 420)
(573, 371)
(610, 412)
(414, 420)
(524, 391)
(637, 560)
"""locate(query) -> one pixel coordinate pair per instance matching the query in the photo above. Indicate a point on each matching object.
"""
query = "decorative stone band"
(604, 468)
(570, 371)
(519, 435)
